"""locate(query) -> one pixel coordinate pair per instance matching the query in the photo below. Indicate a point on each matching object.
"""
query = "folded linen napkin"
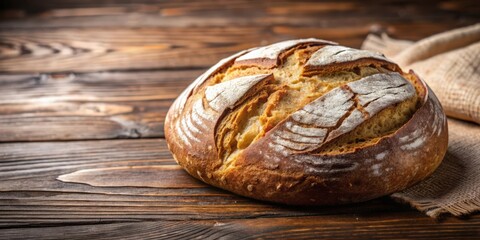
(450, 64)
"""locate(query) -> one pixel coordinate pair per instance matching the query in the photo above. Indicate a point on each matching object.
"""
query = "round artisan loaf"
(307, 122)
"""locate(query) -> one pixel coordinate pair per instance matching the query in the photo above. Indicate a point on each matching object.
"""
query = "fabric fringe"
(432, 209)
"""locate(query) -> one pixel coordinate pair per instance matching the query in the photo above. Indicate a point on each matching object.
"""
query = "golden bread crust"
(308, 122)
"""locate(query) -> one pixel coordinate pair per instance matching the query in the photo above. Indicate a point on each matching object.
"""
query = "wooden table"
(84, 89)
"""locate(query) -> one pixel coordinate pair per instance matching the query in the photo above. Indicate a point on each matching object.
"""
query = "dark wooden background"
(84, 89)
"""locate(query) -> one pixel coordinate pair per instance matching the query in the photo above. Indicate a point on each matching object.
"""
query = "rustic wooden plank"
(111, 180)
(89, 105)
(33, 14)
(62, 18)
(99, 49)
(64, 184)
(105, 49)
(163, 176)
(91, 36)
(407, 226)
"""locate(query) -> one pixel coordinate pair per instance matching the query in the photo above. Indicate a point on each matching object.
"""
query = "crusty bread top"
(302, 96)
(270, 55)
(307, 122)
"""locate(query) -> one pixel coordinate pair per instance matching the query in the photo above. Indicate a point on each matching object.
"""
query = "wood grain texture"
(163, 176)
(76, 74)
(34, 202)
(52, 182)
(76, 36)
(99, 49)
(79, 49)
(57, 13)
(88, 106)
(313, 227)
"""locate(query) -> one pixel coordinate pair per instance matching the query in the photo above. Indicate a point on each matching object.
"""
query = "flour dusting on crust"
(226, 94)
(310, 127)
(180, 102)
(339, 54)
(274, 50)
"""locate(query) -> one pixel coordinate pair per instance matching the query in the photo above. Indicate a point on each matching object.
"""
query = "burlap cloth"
(450, 64)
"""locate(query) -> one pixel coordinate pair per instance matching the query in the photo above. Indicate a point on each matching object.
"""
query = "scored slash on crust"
(270, 54)
(335, 113)
(339, 54)
(180, 102)
(224, 95)
(219, 97)
(338, 57)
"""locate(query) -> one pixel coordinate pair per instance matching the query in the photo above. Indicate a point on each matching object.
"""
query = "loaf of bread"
(307, 122)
